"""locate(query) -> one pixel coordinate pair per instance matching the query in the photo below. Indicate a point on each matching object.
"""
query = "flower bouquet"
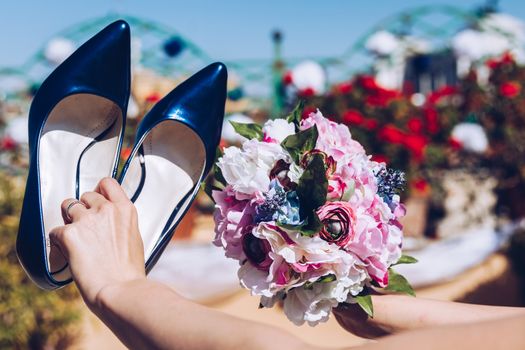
(312, 220)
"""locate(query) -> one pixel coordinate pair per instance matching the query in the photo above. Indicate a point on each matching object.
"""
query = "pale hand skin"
(103, 247)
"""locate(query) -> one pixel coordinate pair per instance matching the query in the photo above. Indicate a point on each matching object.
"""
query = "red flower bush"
(432, 119)
(415, 125)
(353, 117)
(287, 78)
(8, 144)
(371, 124)
(445, 91)
(345, 88)
(510, 89)
(416, 145)
(391, 134)
(379, 158)
(308, 92)
(420, 185)
(367, 81)
(417, 139)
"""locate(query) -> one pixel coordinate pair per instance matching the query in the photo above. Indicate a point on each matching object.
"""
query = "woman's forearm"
(148, 315)
(506, 333)
(398, 313)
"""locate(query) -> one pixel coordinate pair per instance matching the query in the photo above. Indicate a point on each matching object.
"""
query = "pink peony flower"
(336, 187)
(334, 139)
(231, 218)
(338, 220)
(377, 241)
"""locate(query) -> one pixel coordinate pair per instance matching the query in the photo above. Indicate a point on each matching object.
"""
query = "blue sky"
(224, 29)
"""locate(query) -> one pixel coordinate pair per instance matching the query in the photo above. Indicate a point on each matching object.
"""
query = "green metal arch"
(254, 74)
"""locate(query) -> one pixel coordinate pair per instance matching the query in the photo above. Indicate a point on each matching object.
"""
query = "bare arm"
(168, 321)
(161, 319)
(191, 326)
(507, 333)
(395, 313)
(105, 253)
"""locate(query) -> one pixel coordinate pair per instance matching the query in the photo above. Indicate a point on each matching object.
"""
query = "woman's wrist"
(107, 295)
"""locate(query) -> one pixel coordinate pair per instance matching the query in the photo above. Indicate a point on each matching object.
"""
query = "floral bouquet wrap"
(312, 220)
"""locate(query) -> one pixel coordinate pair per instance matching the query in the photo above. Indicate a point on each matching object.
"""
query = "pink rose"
(329, 162)
(338, 220)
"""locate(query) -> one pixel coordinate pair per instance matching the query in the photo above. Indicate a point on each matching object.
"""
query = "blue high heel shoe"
(174, 150)
(76, 125)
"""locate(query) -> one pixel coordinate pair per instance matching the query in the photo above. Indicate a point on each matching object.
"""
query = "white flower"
(314, 304)
(247, 170)
(310, 305)
(295, 172)
(278, 129)
(471, 136)
(255, 280)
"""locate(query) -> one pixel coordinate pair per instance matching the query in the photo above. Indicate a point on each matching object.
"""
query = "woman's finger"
(112, 190)
(72, 210)
(58, 241)
(93, 199)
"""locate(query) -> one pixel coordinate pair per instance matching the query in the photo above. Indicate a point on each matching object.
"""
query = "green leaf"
(327, 278)
(300, 143)
(312, 190)
(296, 115)
(312, 225)
(398, 284)
(208, 188)
(217, 172)
(365, 302)
(406, 259)
(324, 279)
(248, 130)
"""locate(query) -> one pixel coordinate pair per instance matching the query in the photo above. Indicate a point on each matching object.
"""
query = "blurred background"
(434, 88)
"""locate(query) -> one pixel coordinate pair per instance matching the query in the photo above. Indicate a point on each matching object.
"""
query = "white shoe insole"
(69, 137)
(171, 165)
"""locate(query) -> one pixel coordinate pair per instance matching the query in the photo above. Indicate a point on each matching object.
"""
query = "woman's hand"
(398, 313)
(353, 319)
(101, 240)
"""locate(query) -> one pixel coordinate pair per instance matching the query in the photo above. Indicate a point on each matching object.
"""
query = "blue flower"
(288, 213)
(279, 205)
(389, 183)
